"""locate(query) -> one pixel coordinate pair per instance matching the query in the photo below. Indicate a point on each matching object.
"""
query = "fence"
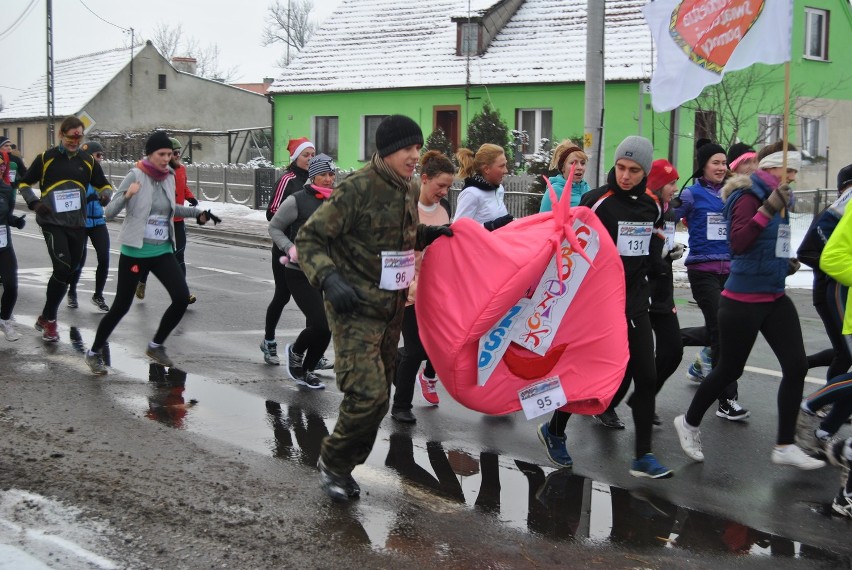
(253, 187)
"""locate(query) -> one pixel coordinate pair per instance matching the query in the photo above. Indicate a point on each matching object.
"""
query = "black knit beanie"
(158, 140)
(844, 177)
(737, 150)
(396, 132)
(703, 155)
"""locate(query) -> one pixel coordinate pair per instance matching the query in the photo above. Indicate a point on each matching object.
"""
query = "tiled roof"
(382, 44)
(76, 82)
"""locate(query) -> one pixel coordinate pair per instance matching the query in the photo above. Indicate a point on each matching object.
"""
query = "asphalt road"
(223, 476)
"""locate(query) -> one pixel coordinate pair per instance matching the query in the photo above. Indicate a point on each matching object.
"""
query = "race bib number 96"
(397, 270)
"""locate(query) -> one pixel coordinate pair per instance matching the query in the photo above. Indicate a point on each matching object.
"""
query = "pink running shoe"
(427, 386)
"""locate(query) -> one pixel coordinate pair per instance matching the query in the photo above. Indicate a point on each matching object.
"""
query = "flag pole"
(786, 125)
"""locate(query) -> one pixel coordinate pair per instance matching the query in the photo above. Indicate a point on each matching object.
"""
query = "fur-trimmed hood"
(734, 183)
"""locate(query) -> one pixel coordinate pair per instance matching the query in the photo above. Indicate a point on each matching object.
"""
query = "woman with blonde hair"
(482, 196)
(566, 155)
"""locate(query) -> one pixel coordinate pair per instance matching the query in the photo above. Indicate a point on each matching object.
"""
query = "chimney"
(185, 64)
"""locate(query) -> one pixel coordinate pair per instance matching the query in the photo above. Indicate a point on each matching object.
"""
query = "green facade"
(294, 113)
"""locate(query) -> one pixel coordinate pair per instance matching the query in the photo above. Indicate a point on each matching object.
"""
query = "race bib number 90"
(397, 270)
(157, 228)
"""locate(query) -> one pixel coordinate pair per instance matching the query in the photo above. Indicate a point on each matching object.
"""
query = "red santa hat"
(296, 146)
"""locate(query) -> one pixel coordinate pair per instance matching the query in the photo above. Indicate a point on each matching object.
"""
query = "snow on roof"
(76, 82)
(385, 44)
(475, 7)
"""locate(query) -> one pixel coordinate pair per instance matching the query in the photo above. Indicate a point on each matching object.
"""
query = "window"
(769, 128)
(810, 138)
(368, 139)
(816, 33)
(468, 39)
(325, 135)
(21, 139)
(161, 81)
(538, 124)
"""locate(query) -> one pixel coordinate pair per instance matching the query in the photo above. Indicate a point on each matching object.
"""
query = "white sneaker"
(9, 330)
(690, 439)
(793, 455)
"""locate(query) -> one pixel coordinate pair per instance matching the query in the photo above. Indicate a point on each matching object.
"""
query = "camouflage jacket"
(366, 214)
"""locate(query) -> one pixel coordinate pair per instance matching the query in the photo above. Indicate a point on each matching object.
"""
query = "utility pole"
(51, 111)
(288, 31)
(593, 132)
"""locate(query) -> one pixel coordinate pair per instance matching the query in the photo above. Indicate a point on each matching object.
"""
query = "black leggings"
(165, 268)
(411, 355)
(641, 369)
(314, 338)
(831, 312)
(180, 248)
(99, 236)
(281, 296)
(65, 247)
(668, 345)
(739, 324)
(9, 274)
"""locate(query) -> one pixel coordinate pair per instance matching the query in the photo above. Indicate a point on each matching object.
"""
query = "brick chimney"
(185, 64)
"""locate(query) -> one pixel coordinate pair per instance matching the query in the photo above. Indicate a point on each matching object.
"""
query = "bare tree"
(290, 25)
(172, 42)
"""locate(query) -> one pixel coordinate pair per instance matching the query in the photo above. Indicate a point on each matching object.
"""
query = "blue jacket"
(558, 182)
(94, 210)
(700, 201)
(757, 270)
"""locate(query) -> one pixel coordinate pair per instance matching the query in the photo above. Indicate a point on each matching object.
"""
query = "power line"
(20, 19)
(98, 16)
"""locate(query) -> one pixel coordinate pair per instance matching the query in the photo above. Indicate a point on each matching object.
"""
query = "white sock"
(90, 353)
(153, 344)
(689, 427)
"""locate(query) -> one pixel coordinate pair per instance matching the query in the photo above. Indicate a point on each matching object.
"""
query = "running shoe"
(403, 416)
(192, 299)
(339, 488)
(294, 362)
(324, 364)
(269, 348)
(9, 330)
(842, 505)
(794, 456)
(427, 387)
(555, 446)
(49, 330)
(140, 290)
(648, 466)
(98, 301)
(96, 363)
(610, 419)
(732, 410)
(690, 439)
(694, 372)
(310, 380)
(158, 355)
(704, 358)
(72, 300)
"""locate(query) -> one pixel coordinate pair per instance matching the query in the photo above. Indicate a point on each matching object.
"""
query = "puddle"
(554, 504)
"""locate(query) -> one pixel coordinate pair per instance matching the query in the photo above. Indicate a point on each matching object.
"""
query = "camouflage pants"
(365, 352)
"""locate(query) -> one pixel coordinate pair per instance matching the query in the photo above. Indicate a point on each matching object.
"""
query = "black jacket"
(613, 205)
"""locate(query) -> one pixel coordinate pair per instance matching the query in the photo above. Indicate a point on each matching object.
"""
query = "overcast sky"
(234, 25)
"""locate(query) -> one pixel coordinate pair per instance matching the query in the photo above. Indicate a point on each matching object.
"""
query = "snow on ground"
(37, 533)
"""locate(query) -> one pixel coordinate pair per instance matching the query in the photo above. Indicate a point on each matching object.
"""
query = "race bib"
(782, 242)
(669, 231)
(66, 200)
(634, 238)
(4, 237)
(542, 397)
(157, 228)
(716, 227)
(397, 270)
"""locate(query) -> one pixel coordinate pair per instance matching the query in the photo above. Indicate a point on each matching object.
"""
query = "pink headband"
(740, 159)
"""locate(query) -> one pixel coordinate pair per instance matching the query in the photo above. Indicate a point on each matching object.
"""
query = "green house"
(440, 61)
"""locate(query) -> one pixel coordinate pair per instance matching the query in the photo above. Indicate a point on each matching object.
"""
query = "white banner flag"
(697, 41)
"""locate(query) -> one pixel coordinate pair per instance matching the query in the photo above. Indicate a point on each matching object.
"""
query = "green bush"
(488, 126)
(439, 141)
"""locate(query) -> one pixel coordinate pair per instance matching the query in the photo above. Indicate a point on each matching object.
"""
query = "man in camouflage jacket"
(357, 248)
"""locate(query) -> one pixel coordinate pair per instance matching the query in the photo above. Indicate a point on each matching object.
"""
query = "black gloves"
(39, 207)
(498, 223)
(18, 222)
(342, 296)
(208, 215)
(793, 265)
(105, 199)
(93, 197)
(431, 233)
(192, 202)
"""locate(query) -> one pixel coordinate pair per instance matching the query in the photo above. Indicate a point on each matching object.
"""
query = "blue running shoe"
(694, 372)
(557, 452)
(648, 466)
(706, 361)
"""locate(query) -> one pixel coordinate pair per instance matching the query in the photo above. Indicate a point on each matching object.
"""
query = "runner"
(97, 232)
(8, 260)
(63, 175)
(147, 243)
(482, 196)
